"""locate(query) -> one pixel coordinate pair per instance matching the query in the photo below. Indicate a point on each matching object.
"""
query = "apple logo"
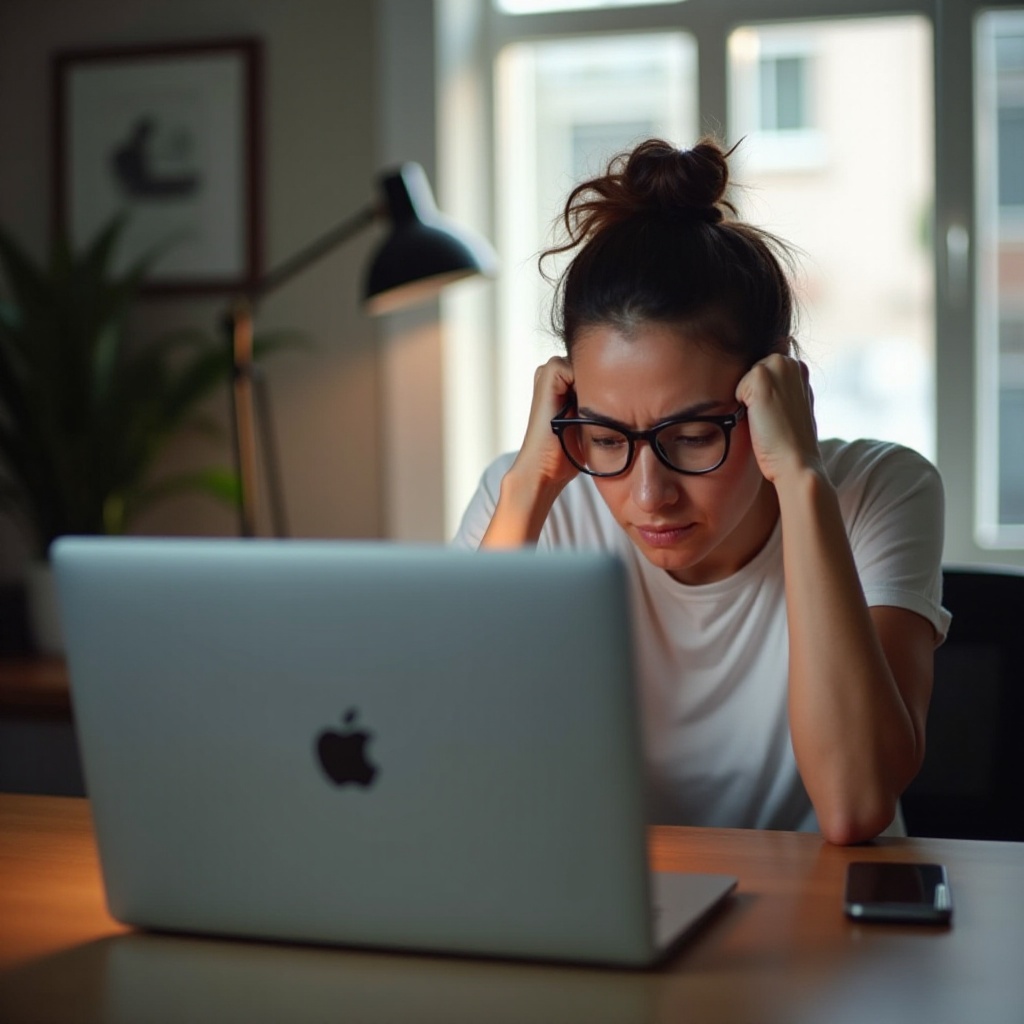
(342, 754)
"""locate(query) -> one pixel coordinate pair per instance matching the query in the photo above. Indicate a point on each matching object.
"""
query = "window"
(911, 284)
(813, 104)
(1000, 205)
(784, 102)
(866, 287)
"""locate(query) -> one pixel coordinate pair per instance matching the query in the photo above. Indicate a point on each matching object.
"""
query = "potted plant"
(85, 412)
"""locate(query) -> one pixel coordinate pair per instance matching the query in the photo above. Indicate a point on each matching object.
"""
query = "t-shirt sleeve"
(480, 509)
(894, 506)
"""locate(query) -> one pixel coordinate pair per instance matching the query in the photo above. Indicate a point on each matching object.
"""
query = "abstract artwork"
(168, 136)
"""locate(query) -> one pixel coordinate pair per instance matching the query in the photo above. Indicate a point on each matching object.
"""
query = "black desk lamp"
(423, 253)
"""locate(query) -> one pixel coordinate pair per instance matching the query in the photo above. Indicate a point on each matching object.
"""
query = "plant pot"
(43, 609)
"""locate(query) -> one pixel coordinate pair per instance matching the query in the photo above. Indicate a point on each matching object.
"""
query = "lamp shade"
(424, 250)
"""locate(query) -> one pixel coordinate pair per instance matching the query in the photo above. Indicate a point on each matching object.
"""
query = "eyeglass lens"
(690, 446)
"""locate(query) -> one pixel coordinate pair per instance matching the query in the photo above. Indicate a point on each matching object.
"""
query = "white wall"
(411, 342)
(321, 156)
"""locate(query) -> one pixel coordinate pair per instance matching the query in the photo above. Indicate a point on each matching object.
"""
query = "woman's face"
(698, 528)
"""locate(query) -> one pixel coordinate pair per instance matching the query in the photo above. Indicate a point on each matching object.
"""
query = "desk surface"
(781, 950)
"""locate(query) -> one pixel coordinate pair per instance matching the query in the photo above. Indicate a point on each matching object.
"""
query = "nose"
(654, 485)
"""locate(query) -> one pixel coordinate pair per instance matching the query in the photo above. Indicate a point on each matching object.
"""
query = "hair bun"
(690, 183)
(653, 180)
(657, 242)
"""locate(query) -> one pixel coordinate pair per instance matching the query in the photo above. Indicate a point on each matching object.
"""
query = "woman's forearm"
(524, 502)
(854, 738)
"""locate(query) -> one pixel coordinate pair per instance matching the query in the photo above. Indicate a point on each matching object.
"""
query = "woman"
(786, 591)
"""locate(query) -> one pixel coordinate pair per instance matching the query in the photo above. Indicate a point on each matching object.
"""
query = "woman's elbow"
(859, 814)
(846, 826)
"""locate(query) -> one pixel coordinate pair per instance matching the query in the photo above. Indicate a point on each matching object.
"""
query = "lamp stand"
(250, 407)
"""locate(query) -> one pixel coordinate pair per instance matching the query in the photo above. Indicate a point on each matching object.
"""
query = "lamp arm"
(248, 393)
(311, 253)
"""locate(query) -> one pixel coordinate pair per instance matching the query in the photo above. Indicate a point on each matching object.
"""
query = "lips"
(664, 536)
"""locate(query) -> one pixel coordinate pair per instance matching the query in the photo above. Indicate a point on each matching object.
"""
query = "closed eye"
(608, 441)
(690, 435)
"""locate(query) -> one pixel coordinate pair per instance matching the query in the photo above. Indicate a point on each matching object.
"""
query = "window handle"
(958, 253)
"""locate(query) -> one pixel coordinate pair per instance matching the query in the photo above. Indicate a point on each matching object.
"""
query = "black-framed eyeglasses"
(686, 444)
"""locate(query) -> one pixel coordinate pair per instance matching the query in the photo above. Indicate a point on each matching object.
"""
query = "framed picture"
(169, 136)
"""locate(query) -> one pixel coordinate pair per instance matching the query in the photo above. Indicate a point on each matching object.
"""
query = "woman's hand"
(780, 411)
(541, 457)
(540, 470)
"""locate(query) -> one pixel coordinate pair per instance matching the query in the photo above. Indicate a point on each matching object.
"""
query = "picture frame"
(169, 136)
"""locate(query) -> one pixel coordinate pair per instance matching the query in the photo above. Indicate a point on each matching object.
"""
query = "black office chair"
(972, 783)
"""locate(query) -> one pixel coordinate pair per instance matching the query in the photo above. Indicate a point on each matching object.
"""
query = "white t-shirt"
(713, 659)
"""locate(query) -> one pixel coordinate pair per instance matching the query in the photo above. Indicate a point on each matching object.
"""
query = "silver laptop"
(370, 744)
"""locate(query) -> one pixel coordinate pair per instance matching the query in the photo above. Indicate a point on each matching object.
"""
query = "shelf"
(34, 687)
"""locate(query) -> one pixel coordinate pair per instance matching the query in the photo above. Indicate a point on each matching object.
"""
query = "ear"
(786, 347)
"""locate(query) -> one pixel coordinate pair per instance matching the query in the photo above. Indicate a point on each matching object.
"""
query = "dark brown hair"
(658, 241)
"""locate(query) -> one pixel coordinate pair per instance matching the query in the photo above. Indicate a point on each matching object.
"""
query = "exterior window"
(783, 99)
(999, 117)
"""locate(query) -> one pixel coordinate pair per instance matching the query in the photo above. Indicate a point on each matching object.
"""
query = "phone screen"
(883, 891)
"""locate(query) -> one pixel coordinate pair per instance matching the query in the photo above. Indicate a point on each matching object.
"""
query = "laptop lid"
(363, 743)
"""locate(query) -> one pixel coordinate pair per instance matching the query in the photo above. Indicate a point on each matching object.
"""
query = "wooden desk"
(780, 951)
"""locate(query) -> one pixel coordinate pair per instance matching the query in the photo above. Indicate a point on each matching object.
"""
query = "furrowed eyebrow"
(699, 409)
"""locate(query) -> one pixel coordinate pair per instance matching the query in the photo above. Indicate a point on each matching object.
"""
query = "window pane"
(564, 108)
(789, 90)
(1010, 144)
(999, 117)
(766, 99)
(845, 174)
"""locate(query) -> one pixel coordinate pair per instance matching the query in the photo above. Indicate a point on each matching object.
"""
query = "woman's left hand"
(780, 410)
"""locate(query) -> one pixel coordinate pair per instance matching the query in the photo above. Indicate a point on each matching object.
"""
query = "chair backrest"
(971, 785)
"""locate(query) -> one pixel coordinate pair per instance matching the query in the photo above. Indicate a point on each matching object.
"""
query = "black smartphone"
(888, 891)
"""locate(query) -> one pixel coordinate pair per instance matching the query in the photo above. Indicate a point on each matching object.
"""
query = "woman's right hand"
(540, 470)
(540, 456)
